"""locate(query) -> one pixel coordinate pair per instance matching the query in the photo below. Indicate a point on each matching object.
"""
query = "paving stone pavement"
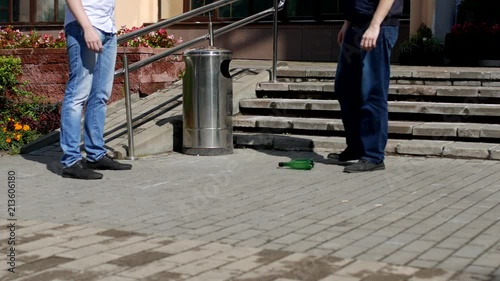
(239, 217)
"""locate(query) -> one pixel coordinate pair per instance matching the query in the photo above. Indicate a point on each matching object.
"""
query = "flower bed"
(41, 73)
(473, 44)
(23, 115)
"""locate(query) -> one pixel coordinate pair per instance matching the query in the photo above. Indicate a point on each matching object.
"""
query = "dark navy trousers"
(362, 85)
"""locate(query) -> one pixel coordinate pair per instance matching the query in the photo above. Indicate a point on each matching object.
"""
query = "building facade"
(307, 31)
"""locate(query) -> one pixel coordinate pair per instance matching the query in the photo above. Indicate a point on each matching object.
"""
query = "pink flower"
(154, 39)
(10, 39)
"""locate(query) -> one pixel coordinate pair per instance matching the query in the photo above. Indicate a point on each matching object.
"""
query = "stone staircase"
(433, 111)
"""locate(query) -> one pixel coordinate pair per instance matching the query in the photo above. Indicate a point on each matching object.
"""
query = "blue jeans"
(90, 83)
(362, 85)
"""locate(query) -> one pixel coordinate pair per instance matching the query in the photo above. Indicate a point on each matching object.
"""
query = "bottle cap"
(281, 164)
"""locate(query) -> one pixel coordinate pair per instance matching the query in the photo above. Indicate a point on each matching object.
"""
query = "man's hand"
(92, 39)
(369, 39)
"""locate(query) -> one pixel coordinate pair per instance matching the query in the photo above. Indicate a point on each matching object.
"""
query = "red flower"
(475, 28)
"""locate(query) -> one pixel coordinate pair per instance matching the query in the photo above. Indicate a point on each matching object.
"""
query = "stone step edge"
(409, 128)
(411, 107)
(150, 140)
(394, 89)
(152, 134)
(429, 73)
(448, 149)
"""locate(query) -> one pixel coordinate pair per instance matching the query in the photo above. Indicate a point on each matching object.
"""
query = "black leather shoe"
(343, 157)
(364, 165)
(79, 171)
(107, 163)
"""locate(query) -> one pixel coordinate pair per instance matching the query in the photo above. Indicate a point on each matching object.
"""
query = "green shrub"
(10, 68)
(422, 48)
(23, 116)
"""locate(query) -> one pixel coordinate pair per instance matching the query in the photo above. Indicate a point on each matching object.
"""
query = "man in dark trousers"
(362, 80)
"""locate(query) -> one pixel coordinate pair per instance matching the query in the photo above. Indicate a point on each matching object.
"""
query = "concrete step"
(437, 148)
(460, 109)
(409, 129)
(157, 124)
(398, 72)
(478, 93)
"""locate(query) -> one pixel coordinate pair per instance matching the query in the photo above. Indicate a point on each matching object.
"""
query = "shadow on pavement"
(305, 151)
(49, 158)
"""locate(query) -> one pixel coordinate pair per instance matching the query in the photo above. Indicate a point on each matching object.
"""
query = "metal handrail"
(278, 5)
(218, 32)
(164, 23)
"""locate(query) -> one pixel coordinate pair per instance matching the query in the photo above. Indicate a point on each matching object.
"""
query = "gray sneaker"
(364, 165)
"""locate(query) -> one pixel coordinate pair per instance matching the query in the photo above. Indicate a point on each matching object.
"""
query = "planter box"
(46, 71)
(473, 49)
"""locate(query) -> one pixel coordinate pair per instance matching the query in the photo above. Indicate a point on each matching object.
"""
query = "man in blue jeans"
(91, 45)
(362, 80)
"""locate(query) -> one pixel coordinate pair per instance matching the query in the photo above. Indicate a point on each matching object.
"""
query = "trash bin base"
(207, 151)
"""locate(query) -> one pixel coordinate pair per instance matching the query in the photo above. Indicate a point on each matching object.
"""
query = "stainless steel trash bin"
(207, 102)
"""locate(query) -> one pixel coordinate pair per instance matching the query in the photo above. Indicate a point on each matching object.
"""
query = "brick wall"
(45, 71)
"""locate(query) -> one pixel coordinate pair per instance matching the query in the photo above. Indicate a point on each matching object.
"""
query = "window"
(237, 10)
(295, 10)
(31, 12)
(4, 10)
(11, 11)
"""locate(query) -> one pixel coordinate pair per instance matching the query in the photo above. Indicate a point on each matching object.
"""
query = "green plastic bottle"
(299, 164)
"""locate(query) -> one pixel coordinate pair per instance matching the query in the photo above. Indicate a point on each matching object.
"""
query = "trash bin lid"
(207, 51)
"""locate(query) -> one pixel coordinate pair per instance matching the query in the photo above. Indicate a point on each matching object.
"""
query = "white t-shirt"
(101, 14)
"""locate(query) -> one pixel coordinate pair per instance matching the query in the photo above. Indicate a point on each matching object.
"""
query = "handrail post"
(128, 107)
(210, 29)
(275, 41)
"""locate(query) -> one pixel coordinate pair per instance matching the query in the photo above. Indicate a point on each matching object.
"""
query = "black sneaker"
(343, 157)
(364, 165)
(107, 163)
(78, 171)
